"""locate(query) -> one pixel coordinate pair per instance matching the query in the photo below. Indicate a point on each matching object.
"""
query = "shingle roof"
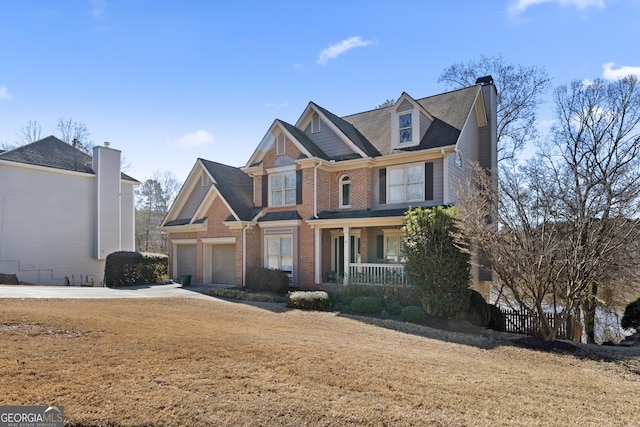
(363, 213)
(53, 153)
(449, 109)
(280, 216)
(304, 140)
(351, 132)
(235, 186)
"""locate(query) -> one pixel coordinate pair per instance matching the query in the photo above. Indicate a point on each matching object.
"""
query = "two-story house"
(62, 212)
(324, 199)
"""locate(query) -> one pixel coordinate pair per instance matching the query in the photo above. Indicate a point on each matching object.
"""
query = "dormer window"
(405, 128)
(345, 192)
(280, 144)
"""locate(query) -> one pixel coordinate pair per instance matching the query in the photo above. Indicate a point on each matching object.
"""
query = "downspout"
(244, 255)
(315, 190)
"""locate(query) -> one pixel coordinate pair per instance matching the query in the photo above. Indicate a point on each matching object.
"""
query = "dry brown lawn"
(187, 362)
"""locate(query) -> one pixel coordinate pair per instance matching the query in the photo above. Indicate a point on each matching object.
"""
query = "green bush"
(366, 305)
(393, 309)
(134, 268)
(631, 318)
(261, 279)
(242, 295)
(309, 300)
(412, 314)
(497, 321)
(437, 263)
(405, 295)
(478, 311)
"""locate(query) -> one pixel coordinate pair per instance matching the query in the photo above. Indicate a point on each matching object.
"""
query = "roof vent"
(107, 144)
(486, 80)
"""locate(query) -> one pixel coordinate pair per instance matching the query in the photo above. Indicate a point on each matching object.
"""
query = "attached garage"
(220, 261)
(185, 260)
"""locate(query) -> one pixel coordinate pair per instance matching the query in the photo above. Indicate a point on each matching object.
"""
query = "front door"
(337, 253)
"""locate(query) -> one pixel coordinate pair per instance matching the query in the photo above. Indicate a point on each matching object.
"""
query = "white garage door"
(186, 261)
(223, 264)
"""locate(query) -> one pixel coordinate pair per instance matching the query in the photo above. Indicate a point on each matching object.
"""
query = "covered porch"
(359, 251)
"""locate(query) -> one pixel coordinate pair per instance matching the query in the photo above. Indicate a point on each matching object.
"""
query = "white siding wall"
(47, 225)
(128, 221)
(106, 165)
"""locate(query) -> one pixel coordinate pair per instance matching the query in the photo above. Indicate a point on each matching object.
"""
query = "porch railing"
(377, 274)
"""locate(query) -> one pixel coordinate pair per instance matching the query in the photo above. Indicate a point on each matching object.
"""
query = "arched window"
(345, 191)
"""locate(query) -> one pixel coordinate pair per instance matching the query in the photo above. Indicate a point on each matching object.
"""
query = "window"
(280, 253)
(405, 128)
(204, 180)
(280, 146)
(393, 246)
(315, 123)
(345, 192)
(283, 189)
(458, 159)
(405, 183)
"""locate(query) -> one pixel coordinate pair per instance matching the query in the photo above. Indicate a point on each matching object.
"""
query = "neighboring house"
(329, 186)
(62, 212)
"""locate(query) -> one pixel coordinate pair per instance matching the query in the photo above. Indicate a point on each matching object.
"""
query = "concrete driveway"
(174, 290)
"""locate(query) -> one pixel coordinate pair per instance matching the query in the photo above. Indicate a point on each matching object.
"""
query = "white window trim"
(314, 128)
(281, 139)
(415, 128)
(392, 233)
(282, 173)
(341, 184)
(404, 167)
(266, 251)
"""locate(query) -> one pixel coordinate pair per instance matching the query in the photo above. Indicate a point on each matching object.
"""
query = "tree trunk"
(589, 308)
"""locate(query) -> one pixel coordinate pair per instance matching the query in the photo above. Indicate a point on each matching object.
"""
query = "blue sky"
(167, 82)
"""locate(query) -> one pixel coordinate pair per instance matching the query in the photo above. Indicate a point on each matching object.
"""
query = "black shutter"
(298, 187)
(265, 191)
(383, 186)
(380, 247)
(428, 181)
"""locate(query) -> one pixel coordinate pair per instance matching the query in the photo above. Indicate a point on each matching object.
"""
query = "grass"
(178, 362)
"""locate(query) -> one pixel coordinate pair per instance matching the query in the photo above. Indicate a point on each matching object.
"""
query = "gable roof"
(51, 152)
(450, 111)
(304, 140)
(234, 186)
(350, 132)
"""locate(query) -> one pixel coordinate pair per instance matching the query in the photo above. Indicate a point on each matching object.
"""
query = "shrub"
(393, 308)
(134, 268)
(497, 321)
(631, 318)
(261, 279)
(366, 305)
(412, 314)
(436, 263)
(314, 300)
(477, 312)
(239, 294)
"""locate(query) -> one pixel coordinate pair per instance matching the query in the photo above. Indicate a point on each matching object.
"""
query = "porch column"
(318, 254)
(347, 254)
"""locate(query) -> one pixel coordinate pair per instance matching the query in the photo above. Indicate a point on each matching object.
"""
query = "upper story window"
(405, 128)
(280, 144)
(405, 183)
(315, 123)
(345, 192)
(283, 188)
(204, 180)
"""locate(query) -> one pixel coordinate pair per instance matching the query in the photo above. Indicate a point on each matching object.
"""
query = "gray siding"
(193, 202)
(405, 106)
(328, 141)
(424, 125)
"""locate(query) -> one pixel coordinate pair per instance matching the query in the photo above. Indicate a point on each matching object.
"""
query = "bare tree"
(567, 219)
(75, 134)
(520, 91)
(153, 199)
(29, 133)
